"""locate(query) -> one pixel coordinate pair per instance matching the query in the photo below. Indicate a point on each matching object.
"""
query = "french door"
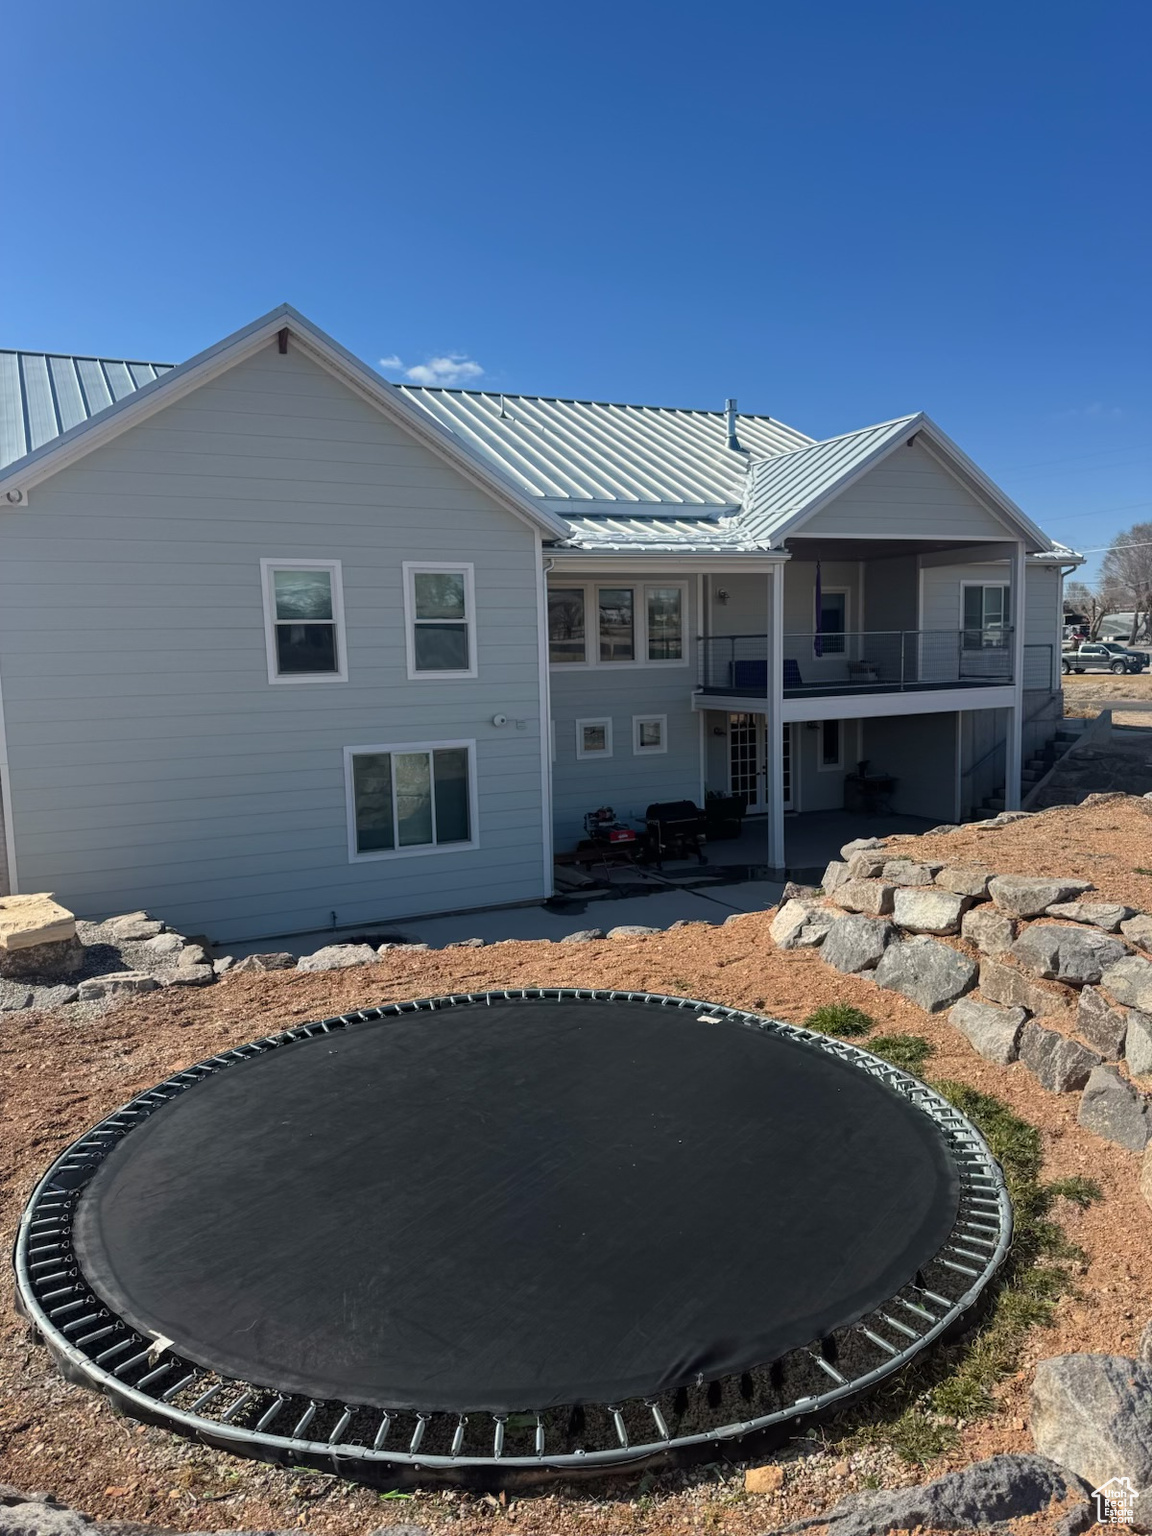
(748, 761)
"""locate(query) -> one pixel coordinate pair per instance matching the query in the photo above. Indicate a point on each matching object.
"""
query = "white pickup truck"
(1103, 656)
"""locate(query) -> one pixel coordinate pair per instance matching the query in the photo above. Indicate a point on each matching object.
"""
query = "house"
(284, 646)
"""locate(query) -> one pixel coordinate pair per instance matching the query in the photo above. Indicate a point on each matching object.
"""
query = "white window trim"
(983, 585)
(423, 849)
(266, 569)
(641, 589)
(413, 568)
(594, 757)
(838, 765)
(637, 722)
(828, 592)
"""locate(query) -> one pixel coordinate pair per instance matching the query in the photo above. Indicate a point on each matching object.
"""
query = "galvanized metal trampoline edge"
(334, 1454)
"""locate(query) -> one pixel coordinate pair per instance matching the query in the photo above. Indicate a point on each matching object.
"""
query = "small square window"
(649, 734)
(303, 620)
(439, 605)
(594, 738)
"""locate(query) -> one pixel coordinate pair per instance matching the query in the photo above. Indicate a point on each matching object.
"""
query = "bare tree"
(1091, 602)
(1127, 569)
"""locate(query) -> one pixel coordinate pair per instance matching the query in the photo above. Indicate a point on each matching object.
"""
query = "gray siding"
(627, 782)
(906, 496)
(1043, 624)
(153, 765)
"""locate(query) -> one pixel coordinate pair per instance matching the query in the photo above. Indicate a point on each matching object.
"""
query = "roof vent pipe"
(730, 423)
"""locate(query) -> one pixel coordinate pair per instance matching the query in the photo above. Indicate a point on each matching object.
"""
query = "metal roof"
(594, 451)
(655, 535)
(43, 394)
(778, 488)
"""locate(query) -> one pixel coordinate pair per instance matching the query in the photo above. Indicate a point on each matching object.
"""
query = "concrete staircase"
(1040, 763)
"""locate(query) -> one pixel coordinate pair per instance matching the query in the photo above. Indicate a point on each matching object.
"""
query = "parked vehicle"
(1103, 656)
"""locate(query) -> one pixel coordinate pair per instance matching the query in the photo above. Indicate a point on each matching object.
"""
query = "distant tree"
(1126, 572)
(1088, 601)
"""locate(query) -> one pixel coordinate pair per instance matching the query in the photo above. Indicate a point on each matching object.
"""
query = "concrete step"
(995, 803)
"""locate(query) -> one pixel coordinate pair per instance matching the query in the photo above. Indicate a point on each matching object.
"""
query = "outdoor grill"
(498, 1237)
(676, 828)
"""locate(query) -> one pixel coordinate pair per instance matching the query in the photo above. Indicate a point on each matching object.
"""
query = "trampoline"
(501, 1236)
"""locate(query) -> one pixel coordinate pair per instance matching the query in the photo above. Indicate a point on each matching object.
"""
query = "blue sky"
(837, 212)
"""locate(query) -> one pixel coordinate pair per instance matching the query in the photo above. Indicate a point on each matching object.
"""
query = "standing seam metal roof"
(43, 394)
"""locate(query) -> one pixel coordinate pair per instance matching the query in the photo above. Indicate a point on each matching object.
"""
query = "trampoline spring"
(418, 1432)
(207, 1397)
(382, 1432)
(65, 1290)
(932, 1296)
(910, 1306)
(342, 1424)
(982, 1242)
(97, 1333)
(132, 1361)
(61, 1274)
(177, 1386)
(458, 1437)
(269, 1414)
(961, 1269)
(909, 1333)
(964, 1253)
(161, 1370)
(69, 1307)
(305, 1419)
(829, 1369)
(618, 1421)
(498, 1437)
(115, 1350)
(46, 1248)
(658, 1419)
(879, 1342)
(82, 1322)
(539, 1435)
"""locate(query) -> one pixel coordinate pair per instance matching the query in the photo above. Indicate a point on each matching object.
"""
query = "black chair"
(676, 828)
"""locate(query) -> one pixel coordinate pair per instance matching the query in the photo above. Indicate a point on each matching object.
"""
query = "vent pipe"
(730, 423)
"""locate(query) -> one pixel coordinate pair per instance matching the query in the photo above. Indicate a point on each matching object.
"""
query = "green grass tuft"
(956, 1382)
(840, 1019)
(908, 1052)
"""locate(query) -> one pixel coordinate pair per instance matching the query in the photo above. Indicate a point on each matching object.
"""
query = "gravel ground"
(62, 1072)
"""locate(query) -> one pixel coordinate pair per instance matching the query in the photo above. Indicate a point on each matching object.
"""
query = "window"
(630, 625)
(649, 734)
(617, 623)
(594, 738)
(832, 624)
(439, 605)
(985, 615)
(665, 623)
(304, 621)
(566, 625)
(410, 799)
(831, 745)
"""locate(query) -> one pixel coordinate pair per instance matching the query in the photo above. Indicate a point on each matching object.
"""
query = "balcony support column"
(774, 719)
(1014, 742)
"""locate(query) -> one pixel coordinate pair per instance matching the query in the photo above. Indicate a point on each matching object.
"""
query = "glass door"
(748, 761)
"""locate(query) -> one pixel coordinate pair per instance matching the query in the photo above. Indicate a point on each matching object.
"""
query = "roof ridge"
(839, 437)
(622, 405)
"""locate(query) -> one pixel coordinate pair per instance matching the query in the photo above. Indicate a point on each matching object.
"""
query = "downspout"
(546, 821)
(7, 814)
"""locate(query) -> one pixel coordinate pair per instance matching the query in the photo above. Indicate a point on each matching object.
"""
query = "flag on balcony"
(818, 640)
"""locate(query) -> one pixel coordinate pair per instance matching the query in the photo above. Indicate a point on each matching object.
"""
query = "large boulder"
(337, 957)
(908, 872)
(865, 866)
(859, 844)
(978, 1498)
(991, 1030)
(1138, 930)
(119, 984)
(1093, 1415)
(1065, 952)
(1107, 915)
(856, 943)
(929, 910)
(1138, 1043)
(835, 874)
(136, 926)
(989, 930)
(1130, 981)
(1114, 1109)
(871, 897)
(1101, 1025)
(931, 974)
(1057, 1063)
(1146, 1176)
(1026, 896)
(588, 935)
(1009, 985)
(785, 928)
(965, 880)
(276, 960)
(631, 931)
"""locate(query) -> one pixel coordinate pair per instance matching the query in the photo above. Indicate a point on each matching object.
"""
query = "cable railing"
(878, 661)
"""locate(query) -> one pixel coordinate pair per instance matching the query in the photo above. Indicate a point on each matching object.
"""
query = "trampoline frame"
(94, 1348)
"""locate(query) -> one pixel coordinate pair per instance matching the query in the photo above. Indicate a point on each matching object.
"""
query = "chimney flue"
(730, 421)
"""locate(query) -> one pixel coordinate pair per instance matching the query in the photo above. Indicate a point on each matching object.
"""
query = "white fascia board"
(179, 381)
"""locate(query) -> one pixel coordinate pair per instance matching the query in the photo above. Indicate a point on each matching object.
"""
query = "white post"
(774, 727)
(1014, 742)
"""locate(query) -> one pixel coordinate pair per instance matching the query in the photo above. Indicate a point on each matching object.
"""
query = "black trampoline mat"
(514, 1206)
